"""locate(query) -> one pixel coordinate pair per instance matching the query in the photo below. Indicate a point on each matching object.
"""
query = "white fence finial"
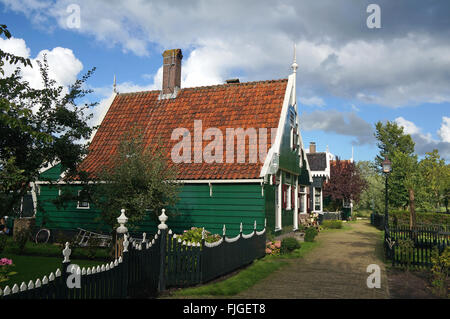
(254, 227)
(122, 220)
(125, 243)
(162, 218)
(240, 228)
(224, 230)
(66, 253)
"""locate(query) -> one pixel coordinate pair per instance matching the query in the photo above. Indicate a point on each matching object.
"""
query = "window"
(317, 199)
(83, 203)
(288, 197)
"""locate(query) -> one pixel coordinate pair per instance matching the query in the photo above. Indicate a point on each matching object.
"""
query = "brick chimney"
(171, 73)
(312, 147)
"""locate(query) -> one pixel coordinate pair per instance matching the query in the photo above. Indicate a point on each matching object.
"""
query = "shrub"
(289, 244)
(402, 217)
(91, 250)
(3, 242)
(332, 224)
(310, 234)
(21, 239)
(194, 235)
(441, 265)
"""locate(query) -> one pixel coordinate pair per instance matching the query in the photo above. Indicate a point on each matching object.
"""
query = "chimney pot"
(312, 147)
(171, 72)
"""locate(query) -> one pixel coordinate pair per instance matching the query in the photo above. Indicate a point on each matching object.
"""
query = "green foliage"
(310, 234)
(332, 224)
(3, 242)
(194, 235)
(139, 180)
(406, 250)
(21, 238)
(440, 271)
(289, 244)
(402, 218)
(372, 196)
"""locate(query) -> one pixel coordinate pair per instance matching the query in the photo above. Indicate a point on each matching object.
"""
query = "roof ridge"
(210, 86)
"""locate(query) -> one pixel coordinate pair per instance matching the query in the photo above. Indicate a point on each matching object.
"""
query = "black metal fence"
(423, 240)
(146, 268)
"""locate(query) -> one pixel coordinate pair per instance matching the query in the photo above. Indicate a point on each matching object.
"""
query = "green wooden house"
(262, 174)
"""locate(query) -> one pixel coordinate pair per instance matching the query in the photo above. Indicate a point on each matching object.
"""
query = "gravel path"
(335, 269)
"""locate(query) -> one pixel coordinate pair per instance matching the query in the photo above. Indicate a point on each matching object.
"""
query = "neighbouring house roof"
(237, 105)
(317, 161)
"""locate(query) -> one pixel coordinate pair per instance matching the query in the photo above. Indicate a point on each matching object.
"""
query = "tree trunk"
(412, 209)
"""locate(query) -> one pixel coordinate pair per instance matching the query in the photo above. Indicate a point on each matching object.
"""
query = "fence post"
(163, 243)
(123, 251)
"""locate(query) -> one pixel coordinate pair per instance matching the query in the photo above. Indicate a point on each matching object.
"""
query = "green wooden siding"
(289, 158)
(230, 204)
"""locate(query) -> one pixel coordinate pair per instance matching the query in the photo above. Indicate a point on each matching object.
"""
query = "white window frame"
(320, 200)
(78, 203)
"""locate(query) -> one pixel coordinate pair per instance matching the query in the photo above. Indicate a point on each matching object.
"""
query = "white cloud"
(63, 65)
(444, 131)
(424, 142)
(312, 101)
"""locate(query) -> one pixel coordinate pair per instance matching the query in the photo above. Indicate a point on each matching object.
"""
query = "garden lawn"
(34, 267)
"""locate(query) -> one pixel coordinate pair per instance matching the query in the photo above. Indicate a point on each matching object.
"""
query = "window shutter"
(284, 194)
(293, 197)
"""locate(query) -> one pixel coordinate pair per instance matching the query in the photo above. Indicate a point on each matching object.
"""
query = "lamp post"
(387, 168)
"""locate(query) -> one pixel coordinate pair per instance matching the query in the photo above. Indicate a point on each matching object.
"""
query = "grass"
(248, 277)
(34, 267)
(52, 250)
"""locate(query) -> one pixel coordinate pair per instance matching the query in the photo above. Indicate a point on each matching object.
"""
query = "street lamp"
(387, 168)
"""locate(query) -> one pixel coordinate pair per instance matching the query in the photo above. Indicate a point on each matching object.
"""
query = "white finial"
(294, 65)
(114, 84)
(6, 291)
(38, 283)
(15, 289)
(144, 237)
(122, 220)
(254, 227)
(162, 218)
(125, 244)
(30, 285)
(66, 253)
(224, 230)
(203, 233)
(240, 228)
(23, 286)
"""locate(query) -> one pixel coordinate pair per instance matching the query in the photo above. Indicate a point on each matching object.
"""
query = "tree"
(140, 180)
(345, 183)
(38, 127)
(372, 196)
(392, 141)
(436, 174)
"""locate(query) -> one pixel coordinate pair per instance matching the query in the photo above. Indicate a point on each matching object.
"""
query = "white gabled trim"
(275, 148)
(103, 114)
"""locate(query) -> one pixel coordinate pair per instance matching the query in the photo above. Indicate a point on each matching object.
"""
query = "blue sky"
(349, 76)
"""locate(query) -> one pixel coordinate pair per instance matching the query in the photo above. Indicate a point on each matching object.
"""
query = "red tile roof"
(244, 105)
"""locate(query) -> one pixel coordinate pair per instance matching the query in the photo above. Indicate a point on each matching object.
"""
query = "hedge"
(423, 218)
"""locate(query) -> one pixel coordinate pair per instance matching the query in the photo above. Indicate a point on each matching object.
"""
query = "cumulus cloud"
(63, 65)
(424, 142)
(404, 63)
(337, 122)
(444, 131)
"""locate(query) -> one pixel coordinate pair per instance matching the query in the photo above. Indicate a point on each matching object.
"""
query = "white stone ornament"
(125, 243)
(122, 220)
(66, 253)
(162, 218)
